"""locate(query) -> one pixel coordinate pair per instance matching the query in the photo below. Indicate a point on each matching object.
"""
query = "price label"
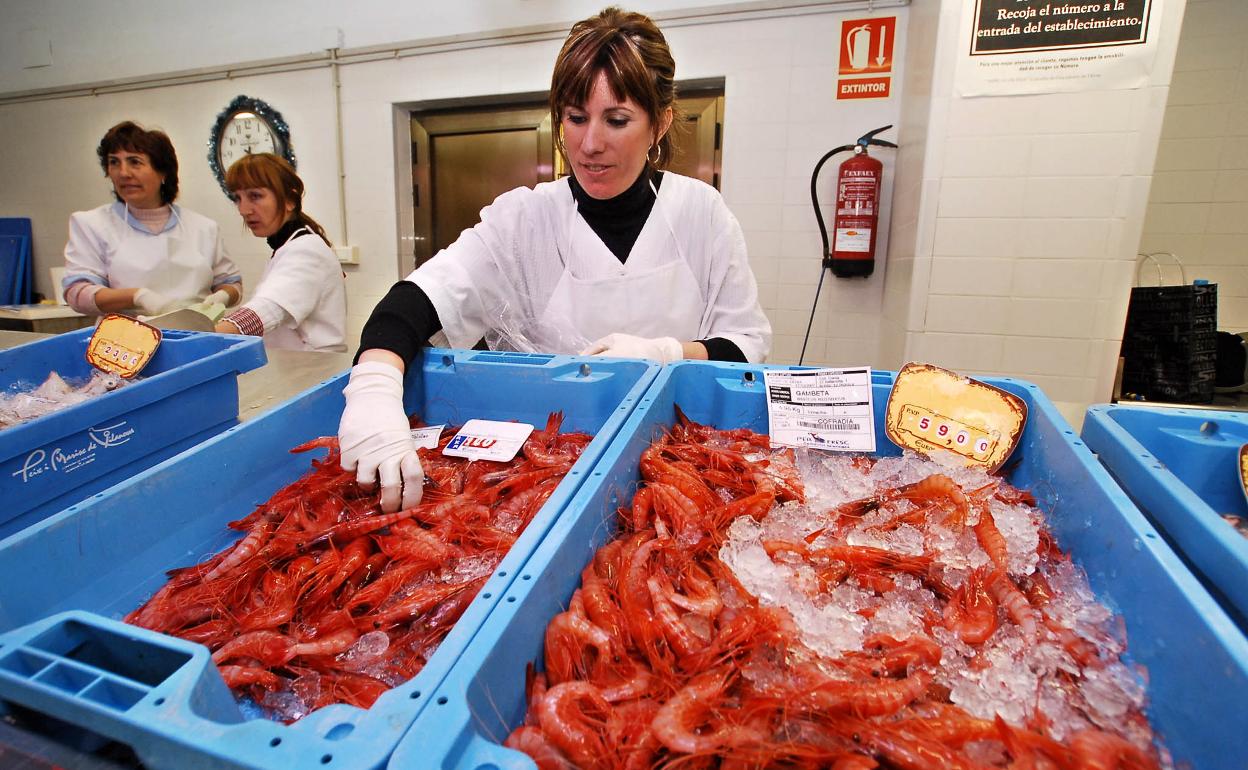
(488, 440)
(122, 345)
(821, 408)
(428, 436)
(931, 409)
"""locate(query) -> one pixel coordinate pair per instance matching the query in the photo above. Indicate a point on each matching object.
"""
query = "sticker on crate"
(428, 436)
(931, 408)
(122, 345)
(821, 408)
(488, 440)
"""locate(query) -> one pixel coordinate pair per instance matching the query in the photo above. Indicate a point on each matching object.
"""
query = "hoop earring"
(658, 154)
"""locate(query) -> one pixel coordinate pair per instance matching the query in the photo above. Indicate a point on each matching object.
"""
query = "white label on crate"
(67, 459)
(821, 408)
(488, 440)
(428, 436)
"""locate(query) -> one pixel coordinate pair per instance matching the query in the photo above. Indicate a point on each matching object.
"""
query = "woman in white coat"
(142, 253)
(619, 259)
(301, 302)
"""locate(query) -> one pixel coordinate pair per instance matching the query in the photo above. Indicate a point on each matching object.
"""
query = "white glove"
(152, 303)
(375, 439)
(218, 297)
(661, 349)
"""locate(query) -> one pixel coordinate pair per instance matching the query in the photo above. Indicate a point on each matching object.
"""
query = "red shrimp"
(268, 647)
(900, 655)
(1014, 602)
(641, 514)
(573, 715)
(691, 721)
(349, 530)
(276, 604)
(244, 676)
(353, 689)
(533, 742)
(972, 612)
(1098, 750)
(568, 635)
(244, 550)
(682, 638)
(331, 644)
(323, 442)
(420, 601)
(391, 579)
(877, 697)
(991, 539)
(601, 607)
(904, 749)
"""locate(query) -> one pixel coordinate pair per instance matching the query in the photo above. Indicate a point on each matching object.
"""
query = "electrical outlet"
(348, 255)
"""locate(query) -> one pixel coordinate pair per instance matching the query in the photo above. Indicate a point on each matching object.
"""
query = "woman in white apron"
(141, 253)
(619, 259)
(301, 302)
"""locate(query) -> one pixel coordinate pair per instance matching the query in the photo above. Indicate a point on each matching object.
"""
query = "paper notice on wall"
(1048, 46)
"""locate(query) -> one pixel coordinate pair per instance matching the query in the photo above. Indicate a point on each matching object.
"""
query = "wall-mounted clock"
(246, 126)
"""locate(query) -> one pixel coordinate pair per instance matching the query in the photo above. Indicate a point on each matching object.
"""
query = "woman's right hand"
(374, 435)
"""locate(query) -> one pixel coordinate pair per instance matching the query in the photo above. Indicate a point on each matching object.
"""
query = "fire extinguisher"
(857, 219)
(852, 252)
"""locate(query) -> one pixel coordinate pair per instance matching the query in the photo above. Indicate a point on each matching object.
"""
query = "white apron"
(651, 295)
(167, 263)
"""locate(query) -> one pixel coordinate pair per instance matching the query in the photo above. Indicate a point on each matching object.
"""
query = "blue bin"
(1181, 467)
(1197, 659)
(188, 392)
(74, 575)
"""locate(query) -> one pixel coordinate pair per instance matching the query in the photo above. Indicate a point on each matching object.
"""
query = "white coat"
(533, 276)
(304, 279)
(183, 261)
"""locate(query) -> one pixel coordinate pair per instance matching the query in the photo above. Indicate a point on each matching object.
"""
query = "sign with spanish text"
(821, 409)
(488, 440)
(866, 61)
(1045, 46)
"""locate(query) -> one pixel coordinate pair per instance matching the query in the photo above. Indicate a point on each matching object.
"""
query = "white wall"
(780, 117)
(1198, 205)
(1027, 222)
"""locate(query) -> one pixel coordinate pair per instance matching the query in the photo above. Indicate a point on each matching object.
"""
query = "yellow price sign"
(930, 409)
(122, 345)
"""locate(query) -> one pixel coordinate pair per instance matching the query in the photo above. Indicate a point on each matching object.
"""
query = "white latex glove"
(152, 303)
(661, 349)
(375, 439)
(219, 297)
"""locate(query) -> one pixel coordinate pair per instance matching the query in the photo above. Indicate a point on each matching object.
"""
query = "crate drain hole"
(339, 731)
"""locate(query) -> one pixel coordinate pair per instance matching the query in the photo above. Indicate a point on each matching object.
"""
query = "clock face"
(245, 133)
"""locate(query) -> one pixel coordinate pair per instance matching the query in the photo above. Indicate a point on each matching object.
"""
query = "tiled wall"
(1198, 205)
(1027, 225)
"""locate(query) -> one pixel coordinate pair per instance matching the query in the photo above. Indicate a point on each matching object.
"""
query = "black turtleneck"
(619, 220)
(279, 238)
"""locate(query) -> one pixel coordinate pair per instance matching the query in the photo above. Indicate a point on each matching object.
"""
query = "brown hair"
(274, 173)
(132, 137)
(631, 51)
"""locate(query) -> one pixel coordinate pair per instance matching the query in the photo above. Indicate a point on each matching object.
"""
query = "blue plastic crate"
(76, 573)
(1181, 467)
(187, 393)
(1197, 659)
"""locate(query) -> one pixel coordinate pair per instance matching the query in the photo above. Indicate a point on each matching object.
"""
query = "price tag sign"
(821, 408)
(428, 436)
(488, 440)
(122, 345)
(931, 408)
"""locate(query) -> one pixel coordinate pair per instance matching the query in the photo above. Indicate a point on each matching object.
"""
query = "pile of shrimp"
(676, 652)
(326, 599)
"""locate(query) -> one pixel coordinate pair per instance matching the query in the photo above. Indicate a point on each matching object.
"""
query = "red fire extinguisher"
(857, 219)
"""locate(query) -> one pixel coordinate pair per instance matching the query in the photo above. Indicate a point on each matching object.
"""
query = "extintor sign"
(866, 58)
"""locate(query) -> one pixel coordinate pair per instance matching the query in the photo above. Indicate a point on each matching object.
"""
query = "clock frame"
(265, 113)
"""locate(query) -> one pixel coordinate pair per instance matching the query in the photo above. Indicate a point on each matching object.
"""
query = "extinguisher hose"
(813, 305)
(814, 199)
